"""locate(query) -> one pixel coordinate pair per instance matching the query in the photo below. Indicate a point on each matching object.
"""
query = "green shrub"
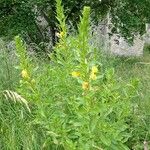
(74, 103)
(70, 103)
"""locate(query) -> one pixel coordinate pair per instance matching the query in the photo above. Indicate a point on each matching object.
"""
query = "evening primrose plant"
(24, 65)
(75, 104)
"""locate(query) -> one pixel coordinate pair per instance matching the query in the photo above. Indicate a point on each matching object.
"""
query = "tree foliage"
(130, 17)
(20, 16)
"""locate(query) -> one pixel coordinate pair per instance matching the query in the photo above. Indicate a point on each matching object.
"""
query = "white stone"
(116, 44)
(119, 46)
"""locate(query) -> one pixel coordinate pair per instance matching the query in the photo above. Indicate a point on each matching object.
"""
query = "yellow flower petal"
(61, 34)
(75, 74)
(93, 76)
(94, 69)
(85, 85)
(25, 74)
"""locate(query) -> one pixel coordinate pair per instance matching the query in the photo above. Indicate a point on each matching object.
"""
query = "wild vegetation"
(21, 16)
(79, 98)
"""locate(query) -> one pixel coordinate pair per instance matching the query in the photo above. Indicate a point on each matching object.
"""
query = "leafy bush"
(70, 103)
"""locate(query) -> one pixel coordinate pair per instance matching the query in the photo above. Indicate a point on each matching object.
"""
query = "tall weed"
(74, 104)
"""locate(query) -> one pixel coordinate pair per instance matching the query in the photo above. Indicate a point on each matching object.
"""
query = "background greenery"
(20, 17)
(44, 106)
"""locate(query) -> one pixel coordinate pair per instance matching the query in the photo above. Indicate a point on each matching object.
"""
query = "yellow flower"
(93, 76)
(25, 74)
(85, 85)
(61, 34)
(75, 74)
(94, 69)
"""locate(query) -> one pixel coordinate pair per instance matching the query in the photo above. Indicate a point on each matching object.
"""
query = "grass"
(15, 125)
(15, 120)
(46, 107)
(127, 68)
(8, 74)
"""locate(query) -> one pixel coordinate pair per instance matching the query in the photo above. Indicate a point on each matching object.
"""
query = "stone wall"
(116, 44)
(119, 46)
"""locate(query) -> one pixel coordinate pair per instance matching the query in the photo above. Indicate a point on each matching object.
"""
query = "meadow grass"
(15, 120)
(81, 99)
(128, 68)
